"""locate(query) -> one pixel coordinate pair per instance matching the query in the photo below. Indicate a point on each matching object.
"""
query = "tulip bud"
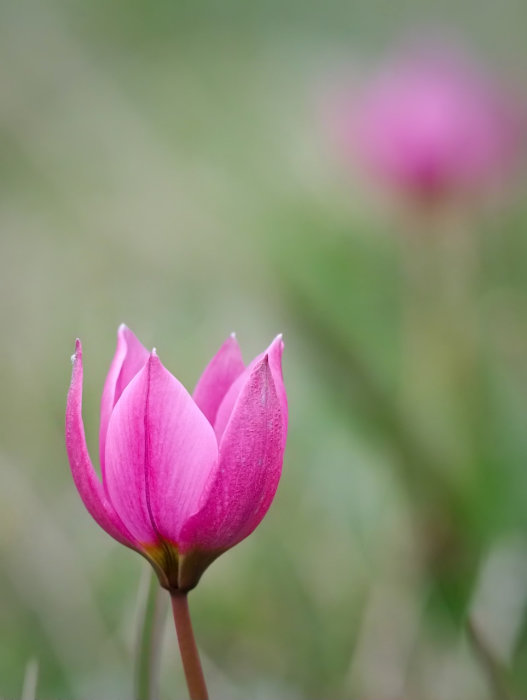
(183, 478)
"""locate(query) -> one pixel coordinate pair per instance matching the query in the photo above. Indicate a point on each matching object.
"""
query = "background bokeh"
(166, 164)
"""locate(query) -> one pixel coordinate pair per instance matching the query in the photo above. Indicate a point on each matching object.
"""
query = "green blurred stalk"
(441, 360)
(494, 671)
(153, 605)
(441, 383)
(29, 689)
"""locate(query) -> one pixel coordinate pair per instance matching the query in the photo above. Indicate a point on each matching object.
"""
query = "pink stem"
(187, 646)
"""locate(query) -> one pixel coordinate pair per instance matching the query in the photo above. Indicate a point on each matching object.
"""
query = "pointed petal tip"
(122, 328)
(278, 342)
(225, 367)
(78, 350)
(153, 360)
(232, 342)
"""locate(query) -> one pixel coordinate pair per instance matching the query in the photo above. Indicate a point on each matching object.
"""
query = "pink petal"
(130, 356)
(218, 376)
(88, 485)
(226, 406)
(160, 450)
(250, 463)
(274, 352)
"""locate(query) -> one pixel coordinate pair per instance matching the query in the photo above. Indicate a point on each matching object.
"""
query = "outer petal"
(160, 450)
(86, 481)
(249, 468)
(274, 353)
(218, 376)
(130, 356)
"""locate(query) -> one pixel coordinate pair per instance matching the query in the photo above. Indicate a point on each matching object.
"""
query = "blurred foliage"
(165, 164)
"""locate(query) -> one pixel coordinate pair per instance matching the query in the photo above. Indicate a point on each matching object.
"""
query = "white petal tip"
(154, 352)
(78, 351)
(233, 335)
(122, 327)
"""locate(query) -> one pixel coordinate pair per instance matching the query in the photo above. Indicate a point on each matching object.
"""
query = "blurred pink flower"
(183, 478)
(432, 123)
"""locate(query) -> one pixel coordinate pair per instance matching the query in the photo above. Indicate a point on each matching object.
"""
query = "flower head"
(184, 478)
(431, 123)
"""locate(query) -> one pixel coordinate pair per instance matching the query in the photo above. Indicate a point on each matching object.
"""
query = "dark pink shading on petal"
(250, 463)
(183, 451)
(274, 353)
(220, 373)
(88, 485)
(130, 356)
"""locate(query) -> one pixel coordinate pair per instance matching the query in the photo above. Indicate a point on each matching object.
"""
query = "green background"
(167, 164)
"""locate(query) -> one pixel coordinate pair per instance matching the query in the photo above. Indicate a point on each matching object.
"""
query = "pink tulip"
(431, 123)
(184, 478)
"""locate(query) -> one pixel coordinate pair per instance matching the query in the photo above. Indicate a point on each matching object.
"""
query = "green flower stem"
(29, 689)
(187, 646)
(150, 631)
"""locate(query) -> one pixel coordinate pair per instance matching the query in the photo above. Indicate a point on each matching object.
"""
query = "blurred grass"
(164, 164)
